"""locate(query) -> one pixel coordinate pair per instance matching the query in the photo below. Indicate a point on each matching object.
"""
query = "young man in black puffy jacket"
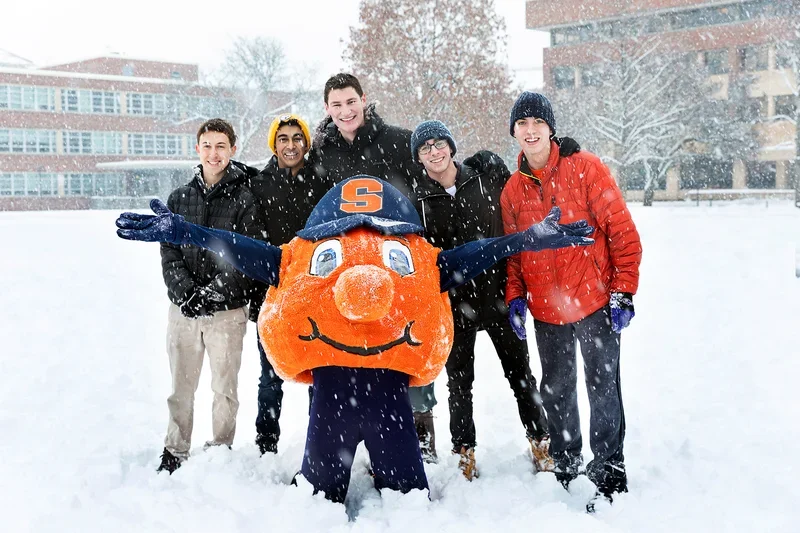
(353, 139)
(287, 191)
(209, 297)
(458, 203)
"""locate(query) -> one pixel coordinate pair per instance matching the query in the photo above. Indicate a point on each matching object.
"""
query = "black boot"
(423, 422)
(169, 462)
(266, 443)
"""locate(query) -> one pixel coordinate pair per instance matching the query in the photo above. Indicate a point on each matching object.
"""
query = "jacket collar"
(233, 173)
(327, 132)
(540, 174)
(272, 169)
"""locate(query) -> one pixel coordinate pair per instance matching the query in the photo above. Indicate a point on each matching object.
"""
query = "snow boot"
(169, 462)
(466, 463)
(598, 499)
(540, 449)
(423, 422)
(266, 443)
(565, 478)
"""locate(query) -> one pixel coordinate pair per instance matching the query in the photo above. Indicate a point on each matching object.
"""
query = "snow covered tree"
(433, 59)
(638, 107)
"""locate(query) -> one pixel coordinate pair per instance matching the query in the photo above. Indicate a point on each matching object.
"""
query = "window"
(94, 184)
(635, 176)
(754, 109)
(703, 172)
(154, 144)
(786, 105)
(24, 98)
(716, 61)
(28, 184)
(147, 104)
(28, 141)
(591, 75)
(563, 77)
(761, 175)
(753, 58)
(787, 55)
(77, 142)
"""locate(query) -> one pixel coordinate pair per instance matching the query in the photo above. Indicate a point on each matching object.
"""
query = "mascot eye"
(326, 258)
(397, 256)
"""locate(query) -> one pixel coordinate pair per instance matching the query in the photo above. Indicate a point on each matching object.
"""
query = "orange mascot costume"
(358, 307)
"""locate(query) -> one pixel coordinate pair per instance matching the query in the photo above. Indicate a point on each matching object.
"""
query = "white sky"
(312, 31)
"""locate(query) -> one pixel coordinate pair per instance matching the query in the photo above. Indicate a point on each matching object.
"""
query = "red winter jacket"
(563, 286)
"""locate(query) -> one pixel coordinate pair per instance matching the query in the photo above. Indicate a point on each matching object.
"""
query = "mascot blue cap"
(362, 201)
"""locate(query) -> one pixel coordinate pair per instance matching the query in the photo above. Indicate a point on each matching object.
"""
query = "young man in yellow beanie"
(287, 191)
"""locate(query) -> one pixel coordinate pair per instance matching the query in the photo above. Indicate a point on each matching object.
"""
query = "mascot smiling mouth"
(359, 350)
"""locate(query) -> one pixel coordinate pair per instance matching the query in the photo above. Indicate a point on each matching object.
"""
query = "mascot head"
(359, 287)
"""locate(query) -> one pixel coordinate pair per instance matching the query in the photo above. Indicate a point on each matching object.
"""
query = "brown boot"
(423, 422)
(540, 448)
(466, 463)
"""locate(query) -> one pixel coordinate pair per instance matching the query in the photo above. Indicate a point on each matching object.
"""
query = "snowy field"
(710, 372)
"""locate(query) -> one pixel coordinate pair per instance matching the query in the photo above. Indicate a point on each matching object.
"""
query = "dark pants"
(513, 354)
(600, 351)
(270, 398)
(355, 404)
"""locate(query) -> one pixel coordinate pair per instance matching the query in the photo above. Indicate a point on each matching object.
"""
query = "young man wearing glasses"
(287, 191)
(458, 203)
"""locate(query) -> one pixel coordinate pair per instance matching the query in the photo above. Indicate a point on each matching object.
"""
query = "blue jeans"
(270, 397)
(600, 349)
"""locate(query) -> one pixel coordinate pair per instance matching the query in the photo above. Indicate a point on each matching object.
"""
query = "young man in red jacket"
(576, 295)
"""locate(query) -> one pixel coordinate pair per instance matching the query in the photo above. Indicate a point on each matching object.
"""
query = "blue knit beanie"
(430, 129)
(532, 105)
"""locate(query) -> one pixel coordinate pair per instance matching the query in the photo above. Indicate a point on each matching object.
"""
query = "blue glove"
(622, 312)
(164, 226)
(516, 315)
(550, 234)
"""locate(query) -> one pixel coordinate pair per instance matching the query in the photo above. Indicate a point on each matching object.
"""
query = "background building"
(752, 44)
(108, 131)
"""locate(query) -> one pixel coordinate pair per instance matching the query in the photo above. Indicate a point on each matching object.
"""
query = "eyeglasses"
(441, 144)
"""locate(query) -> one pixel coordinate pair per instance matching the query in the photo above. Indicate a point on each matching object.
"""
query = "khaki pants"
(187, 340)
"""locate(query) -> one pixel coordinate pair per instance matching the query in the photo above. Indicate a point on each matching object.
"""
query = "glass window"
(786, 105)
(754, 109)
(703, 172)
(563, 77)
(716, 61)
(591, 75)
(5, 141)
(761, 175)
(753, 58)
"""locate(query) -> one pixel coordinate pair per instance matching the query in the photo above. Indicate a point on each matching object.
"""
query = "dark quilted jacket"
(228, 205)
(378, 149)
(285, 203)
(563, 286)
(474, 213)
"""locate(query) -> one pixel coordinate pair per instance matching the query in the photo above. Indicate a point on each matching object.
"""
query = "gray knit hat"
(430, 129)
(532, 105)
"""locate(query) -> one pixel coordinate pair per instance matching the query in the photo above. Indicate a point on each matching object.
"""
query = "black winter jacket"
(474, 213)
(284, 204)
(228, 205)
(378, 149)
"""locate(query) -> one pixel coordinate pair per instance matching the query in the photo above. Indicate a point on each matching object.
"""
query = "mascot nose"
(364, 293)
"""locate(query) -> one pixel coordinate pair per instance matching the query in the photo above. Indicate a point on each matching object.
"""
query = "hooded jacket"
(378, 150)
(450, 221)
(228, 205)
(563, 286)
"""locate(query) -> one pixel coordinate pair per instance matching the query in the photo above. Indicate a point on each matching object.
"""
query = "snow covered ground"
(710, 369)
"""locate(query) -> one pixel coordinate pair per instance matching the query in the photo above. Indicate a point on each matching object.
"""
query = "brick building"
(728, 38)
(102, 132)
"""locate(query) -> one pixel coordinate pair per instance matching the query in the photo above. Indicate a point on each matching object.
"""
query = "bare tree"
(647, 107)
(439, 60)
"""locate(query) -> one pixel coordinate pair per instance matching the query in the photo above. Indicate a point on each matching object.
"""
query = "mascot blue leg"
(354, 404)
